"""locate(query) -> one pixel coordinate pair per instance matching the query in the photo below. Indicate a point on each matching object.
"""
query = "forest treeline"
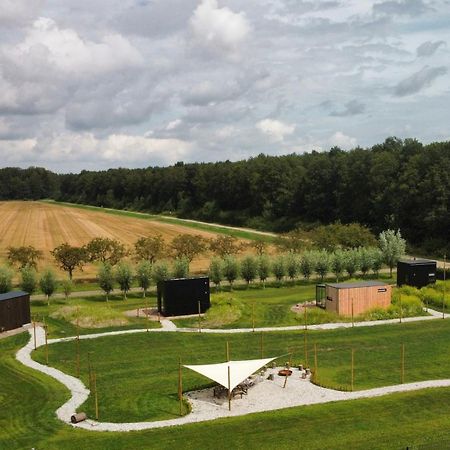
(397, 184)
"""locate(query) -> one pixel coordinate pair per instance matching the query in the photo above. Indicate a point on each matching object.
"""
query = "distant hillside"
(397, 184)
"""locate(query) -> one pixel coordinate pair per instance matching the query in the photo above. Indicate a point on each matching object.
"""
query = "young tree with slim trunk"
(144, 276)
(24, 256)
(292, 266)
(150, 248)
(230, 268)
(28, 282)
(249, 269)
(263, 269)
(105, 279)
(393, 247)
(124, 277)
(67, 287)
(338, 263)
(215, 272)
(322, 266)
(352, 264)
(377, 261)
(160, 272)
(279, 268)
(307, 263)
(69, 258)
(180, 268)
(365, 256)
(48, 283)
(6, 276)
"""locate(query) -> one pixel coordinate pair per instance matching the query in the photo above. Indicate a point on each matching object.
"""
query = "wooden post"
(315, 362)
(199, 318)
(306, 316)
(261, 343)
(137, 312)
(443, 290)
(353, 369)
(46, 343)
(253, 316)
(229, 388)
(402, 364)
(146, 311)
(401, 306)
(34, 333)
(305, 345)
(78, 343)
(180, 387)
(90, 371)
(353, 317)
(94, 376)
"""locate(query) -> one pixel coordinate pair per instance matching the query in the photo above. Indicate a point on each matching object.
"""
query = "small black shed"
(14, 310)
(416, 272)
(180, 296)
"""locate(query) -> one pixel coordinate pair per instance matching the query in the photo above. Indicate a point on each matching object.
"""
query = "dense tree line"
(397, 184)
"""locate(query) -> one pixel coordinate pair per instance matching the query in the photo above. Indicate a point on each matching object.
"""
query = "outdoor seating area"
(241, 389)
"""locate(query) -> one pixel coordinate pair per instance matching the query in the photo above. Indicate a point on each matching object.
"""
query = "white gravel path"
(265, 396)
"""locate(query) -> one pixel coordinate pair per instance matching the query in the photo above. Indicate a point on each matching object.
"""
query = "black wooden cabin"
(181, 296)
(416, 272)
(14, 310)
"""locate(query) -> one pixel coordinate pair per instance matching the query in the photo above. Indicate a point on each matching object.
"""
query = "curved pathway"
(204, 407)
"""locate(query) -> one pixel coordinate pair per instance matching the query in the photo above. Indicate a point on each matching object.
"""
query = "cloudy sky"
(92, 84)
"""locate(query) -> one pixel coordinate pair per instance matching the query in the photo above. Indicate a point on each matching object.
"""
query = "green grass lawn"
(418, 420)
(271, 307)
(95, 314)
(137, 374)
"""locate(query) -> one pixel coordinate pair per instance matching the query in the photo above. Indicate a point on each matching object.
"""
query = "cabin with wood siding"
(348, 299)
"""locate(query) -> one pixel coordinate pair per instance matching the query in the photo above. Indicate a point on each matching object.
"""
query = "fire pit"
(285, 373)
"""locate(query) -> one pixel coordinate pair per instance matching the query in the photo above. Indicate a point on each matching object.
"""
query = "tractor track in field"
(300, 392)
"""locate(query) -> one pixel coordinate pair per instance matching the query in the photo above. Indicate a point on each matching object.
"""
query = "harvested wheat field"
(45, 226)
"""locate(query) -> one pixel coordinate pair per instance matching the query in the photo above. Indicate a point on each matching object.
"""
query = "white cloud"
(113, 150)
(341, 140)
(218, 28)
(173, 124)
(16, 12)
(67, 51)
(276, 129)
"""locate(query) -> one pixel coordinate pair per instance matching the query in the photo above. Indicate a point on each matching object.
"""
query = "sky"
(94, 84)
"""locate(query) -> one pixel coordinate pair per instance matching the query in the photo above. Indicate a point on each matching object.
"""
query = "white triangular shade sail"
(239, 370)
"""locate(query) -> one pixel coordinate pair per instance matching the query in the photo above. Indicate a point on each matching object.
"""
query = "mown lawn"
(137, 374)
(95, 314)
(245, 306)
(418, 420)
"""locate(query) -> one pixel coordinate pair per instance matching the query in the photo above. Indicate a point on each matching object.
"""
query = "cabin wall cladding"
(360, 297)
(181, 296)
(14, 310)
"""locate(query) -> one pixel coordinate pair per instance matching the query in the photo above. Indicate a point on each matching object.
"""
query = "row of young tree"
(321, 262)
(396, 184)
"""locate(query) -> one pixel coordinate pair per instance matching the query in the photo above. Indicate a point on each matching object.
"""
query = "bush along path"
(300, 392)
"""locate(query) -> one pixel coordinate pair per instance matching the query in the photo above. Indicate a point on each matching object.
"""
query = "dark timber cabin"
(14, 310)
(416, 272)
(181, 296)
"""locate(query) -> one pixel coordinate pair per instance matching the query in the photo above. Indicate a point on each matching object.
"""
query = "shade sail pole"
(229, 388)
